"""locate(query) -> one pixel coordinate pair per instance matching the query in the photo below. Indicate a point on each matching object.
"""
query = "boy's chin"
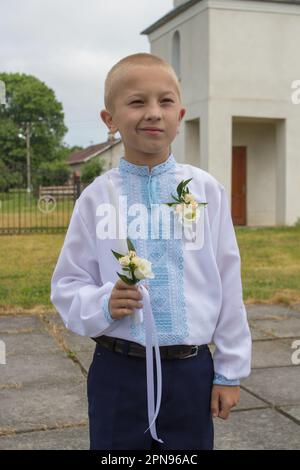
(151, 150)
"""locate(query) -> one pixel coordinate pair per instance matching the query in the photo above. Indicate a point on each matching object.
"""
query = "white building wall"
(239, 59)
(252, 65)
(111, 156)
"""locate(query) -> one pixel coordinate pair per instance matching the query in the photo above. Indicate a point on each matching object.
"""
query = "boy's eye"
(168, 100)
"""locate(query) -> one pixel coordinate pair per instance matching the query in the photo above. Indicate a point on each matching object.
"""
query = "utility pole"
(27, 136)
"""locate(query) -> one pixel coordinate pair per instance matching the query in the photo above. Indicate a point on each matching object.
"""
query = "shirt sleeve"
(77, 291)
(232, 355)
(221, 380)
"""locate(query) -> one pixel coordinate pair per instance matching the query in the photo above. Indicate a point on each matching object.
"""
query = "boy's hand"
(223, 398)
(124, 299)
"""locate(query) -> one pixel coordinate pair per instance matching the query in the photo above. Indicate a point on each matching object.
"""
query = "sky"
(71, 45)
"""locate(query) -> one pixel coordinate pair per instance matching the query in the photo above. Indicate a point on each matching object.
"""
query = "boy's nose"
(153, 113)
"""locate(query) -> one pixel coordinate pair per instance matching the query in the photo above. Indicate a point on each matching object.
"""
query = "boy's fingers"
(224, 411)
(127, 303)
(214, 404)
(122, 294)
(122, 285)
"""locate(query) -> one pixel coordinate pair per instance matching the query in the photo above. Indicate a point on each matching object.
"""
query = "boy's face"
(146, 98)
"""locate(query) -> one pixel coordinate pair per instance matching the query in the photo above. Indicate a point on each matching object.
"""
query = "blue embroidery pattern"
(222, 380)
(108, 317)
(166, 289)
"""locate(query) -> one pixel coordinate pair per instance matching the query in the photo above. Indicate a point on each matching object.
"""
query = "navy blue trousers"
(117, 403)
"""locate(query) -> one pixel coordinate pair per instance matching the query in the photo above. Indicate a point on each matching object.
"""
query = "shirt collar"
(143, 170)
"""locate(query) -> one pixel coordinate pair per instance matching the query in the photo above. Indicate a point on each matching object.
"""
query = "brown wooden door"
(238, 192)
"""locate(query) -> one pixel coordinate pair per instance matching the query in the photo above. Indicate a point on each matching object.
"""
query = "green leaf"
(186, 182)
(117, 255)
(130, 244)
(135, 279)
(175, 198)
(179, 188)
(126, 279)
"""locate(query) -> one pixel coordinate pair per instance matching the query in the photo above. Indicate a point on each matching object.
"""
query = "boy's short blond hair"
(143, 59)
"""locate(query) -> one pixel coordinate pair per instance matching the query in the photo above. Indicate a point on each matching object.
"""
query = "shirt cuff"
(105, 309)
(222, 380)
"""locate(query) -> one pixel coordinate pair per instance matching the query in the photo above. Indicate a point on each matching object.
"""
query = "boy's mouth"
(152, 130)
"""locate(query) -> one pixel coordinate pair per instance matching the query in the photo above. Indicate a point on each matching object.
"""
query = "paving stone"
(15, 323)
(279, 386)
(57, 439)
(78, 343)
(280, 328)
(29, 343)
(296, 307)
(85, 358)
(43, 406)
(256, 430)
(56, 318)
(258, 335)
(50, 368)
(272, 353)
(293, 411)
(263, 312)
(248, 401)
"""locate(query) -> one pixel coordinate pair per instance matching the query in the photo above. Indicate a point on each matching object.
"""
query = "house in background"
(108, 152)
(237, 61)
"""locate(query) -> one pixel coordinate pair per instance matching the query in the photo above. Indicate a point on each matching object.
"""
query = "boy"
(196, 295)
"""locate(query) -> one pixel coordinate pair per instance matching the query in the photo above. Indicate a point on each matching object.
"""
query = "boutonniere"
(186, 207)
(139, 268)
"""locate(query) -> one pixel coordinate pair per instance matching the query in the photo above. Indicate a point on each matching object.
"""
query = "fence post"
(77, 185)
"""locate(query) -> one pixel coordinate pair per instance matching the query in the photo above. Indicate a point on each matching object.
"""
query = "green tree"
(91, 170)
(31, 105)
(52, 174)
(8, 178)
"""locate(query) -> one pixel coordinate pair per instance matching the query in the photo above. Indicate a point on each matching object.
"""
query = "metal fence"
(44, 209)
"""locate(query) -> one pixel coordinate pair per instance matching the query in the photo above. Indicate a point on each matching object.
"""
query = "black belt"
(129, 348)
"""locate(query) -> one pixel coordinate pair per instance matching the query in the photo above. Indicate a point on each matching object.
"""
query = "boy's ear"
(181, 114)
(107, 119)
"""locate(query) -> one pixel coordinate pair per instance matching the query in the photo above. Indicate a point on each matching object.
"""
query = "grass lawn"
(270, 267)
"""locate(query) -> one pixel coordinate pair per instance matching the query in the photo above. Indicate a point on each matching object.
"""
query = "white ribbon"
(151, 340)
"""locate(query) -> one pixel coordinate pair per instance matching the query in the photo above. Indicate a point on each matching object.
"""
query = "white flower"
(124, 261)
(131, 254)
(189, 198)
(135, 261)
(143, 270)
(189, 214)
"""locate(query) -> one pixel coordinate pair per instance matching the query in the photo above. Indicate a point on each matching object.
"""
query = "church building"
(238, 62)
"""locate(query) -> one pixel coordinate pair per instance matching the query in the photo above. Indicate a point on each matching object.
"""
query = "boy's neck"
(147, 160)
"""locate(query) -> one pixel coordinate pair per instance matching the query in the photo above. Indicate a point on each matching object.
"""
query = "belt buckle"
(192, 354)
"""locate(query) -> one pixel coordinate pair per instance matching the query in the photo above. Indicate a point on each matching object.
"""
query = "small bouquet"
(139, 268)
(187, 208)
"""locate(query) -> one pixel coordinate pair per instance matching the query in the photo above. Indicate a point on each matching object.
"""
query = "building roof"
(185, 6)
(81, 156)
